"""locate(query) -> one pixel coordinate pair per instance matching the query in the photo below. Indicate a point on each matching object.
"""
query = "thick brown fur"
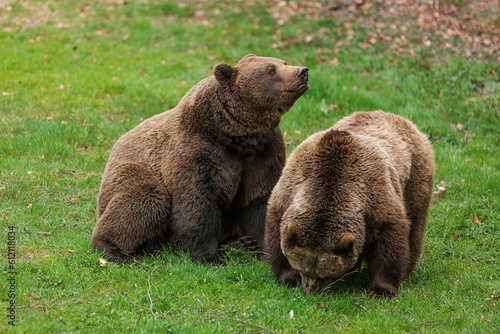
(360, 190)
(202, 171)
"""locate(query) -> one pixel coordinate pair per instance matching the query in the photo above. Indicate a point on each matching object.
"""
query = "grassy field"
(76, 75)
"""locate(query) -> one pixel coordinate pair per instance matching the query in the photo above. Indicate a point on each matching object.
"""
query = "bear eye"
(272, 71)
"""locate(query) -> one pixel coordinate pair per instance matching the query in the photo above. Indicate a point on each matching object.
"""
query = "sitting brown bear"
(360, 190)
(202, 171)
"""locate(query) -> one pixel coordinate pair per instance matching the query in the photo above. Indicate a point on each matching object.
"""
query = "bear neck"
(237, 124)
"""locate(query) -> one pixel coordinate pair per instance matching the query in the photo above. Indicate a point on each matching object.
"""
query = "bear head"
(267, 84)
(319, 245)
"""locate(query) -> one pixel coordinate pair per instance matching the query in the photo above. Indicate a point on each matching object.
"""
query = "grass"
(74, 76)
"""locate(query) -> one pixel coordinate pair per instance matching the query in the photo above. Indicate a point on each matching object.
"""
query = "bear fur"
(360, 190)
(202, 171)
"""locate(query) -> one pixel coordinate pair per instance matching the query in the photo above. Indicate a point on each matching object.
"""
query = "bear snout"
(303, 74)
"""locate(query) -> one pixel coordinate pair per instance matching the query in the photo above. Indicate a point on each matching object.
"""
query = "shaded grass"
(85, 73)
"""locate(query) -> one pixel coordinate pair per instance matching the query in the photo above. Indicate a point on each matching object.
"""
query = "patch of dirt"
(28, 254)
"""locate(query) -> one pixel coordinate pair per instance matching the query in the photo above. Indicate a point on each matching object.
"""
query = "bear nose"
(302, 73)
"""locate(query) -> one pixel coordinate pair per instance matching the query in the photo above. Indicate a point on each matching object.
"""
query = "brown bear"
(360, 190)
(202, 171)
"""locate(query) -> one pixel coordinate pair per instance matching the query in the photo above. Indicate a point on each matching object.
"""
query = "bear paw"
(290, 277)
(245, 242)
(383, 290)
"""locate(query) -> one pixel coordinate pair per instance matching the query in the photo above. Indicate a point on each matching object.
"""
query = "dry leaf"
(440, 191)
(457, 282)
(334, 62)
(103, 263)
(477, 221)
(320, 305)
(71, 251)
(45, 233)
(457, 238)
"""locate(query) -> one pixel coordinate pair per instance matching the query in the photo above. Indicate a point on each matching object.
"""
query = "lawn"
(76, 75)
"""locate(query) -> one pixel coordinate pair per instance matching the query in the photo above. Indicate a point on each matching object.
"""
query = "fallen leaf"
(103, 263)
(334, 62)
(440, 192)
(457, 238)
(477, 221)
(320, 305)
(45, 233)
(457, 282)
(71, 251)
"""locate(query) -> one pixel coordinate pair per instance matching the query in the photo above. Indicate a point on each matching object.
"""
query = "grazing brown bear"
(202, 171)
(360, 190)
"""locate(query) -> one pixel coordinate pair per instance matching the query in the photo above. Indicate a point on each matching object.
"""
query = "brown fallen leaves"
(408, 27)
(477, 221)
(441, 190)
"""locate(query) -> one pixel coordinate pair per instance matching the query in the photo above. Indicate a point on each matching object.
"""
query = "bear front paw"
(245, 242)
(383, 290)
(290, 277)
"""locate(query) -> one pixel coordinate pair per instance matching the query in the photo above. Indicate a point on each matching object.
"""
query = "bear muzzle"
(303, 73)
(312, 285)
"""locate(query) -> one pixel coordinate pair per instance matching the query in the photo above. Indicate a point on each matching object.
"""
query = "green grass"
(74, 76)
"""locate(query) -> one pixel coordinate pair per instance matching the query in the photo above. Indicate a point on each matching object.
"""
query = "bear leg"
(387, 258)
(252, 220)
(197, 226)
(135, 214)
(279, 263)
(417, 198)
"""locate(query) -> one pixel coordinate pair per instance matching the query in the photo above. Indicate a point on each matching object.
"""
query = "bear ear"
(224, 72)
(345, 243)
(294, 234)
